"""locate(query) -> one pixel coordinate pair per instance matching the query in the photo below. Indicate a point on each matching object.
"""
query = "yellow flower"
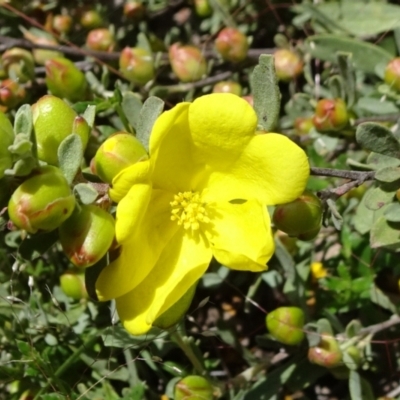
(201, 194)
(318, 270)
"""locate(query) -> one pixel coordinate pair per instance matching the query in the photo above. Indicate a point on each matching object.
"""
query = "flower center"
(188, 210)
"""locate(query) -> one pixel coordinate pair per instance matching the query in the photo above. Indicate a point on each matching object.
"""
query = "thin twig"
(394, 117)
(345, 174)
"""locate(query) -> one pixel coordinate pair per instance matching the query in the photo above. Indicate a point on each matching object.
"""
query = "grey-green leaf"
(388, 174)
(377, 138)
(392, 212)
(385, 234)
(23, 122)
(267, 97)
(131, 106)
(70, 153)
(359, 388)
(90, 115)
(150, 111)
(376, 198)
(87, 194)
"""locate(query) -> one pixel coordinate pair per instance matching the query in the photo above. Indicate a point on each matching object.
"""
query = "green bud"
(187, 62)
(101, 39)
(330, 115)
(137, 65)
(228, 87)
(12, 94)
(53, 121)
(392, 74)
(42, 202)
(193, 387)
(232, 45)
(62, 23)
(87, 235)
(6, 139)
(327, 353)
(285, 324)
(288, 65)
(134, 10)
(19, 64)
(203, 8)
(301, 218)
(65, 80)
(73, 284)
(116, 153)
(91, 19)
(174, 314)
(303, 125)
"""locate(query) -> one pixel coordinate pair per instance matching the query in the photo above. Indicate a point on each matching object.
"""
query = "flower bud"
(12, 94)
(174, 314)
(327, 353)
(232, 45)
(330, 115)
(42, 202)
(288, 65)
(73, 284)
(91, 19)
(303, 125)
(134, 10)
(62, 23)
(301, 218)
(6, 139)
(53, 121)
(193, 387)
(187, 62)
(101, 39)
(87, 235)
(392, 74)
(19, 64)
(285, 324)
(228, 87)
(136, 64)
(116, 153)
(65, 80)
(203, 8)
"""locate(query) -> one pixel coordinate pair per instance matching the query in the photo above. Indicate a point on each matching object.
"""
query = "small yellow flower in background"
(201, 194)
(318, 270)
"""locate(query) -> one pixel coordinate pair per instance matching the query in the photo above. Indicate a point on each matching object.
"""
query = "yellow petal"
(122, 183)
(241, 236)
(143, 237)
(221, 125)
(271, 169)
(181, 264)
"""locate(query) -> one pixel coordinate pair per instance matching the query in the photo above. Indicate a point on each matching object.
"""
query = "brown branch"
(344, 174)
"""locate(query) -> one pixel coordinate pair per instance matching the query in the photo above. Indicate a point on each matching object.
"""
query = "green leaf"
(359, 388)
(379, 161)
(365, 55)
(24, 348)
(388, 174)
(70, 154)
(353, 328)
(131, 105)
(267, 97)
(347, 73)
(86, 193)
(23, 122)
(385, 234)
(150, 111)
(90, 115)
(376, 106)
(376, 198)
(377, 138)
(392, 212)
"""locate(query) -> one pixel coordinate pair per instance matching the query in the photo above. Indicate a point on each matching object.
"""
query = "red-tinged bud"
(87, 235)
(288, 65)
(203, 8)
(301, 218)
(41, 55)
(62, 23)
(91, 19)
(303, 126)
(174, 314)
(73, 284)
(6, 139)
(187, 62)
(327, 353)
(232, 45)
(101, 39)
(134, 10)
(116, 153)
(42, 202)
(137, 65)
(228, 87)
(53, 121)
(19, 64)
(249, 99)
(330, 115)
(11, 94)
(65, 80)
(392, 74)
(193, 387)
(286, 324)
